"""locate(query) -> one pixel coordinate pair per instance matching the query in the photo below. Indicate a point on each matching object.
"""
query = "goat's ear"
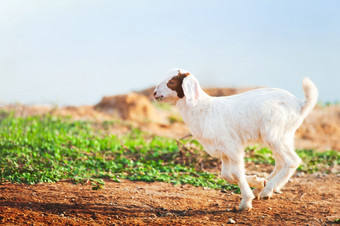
(190, 87)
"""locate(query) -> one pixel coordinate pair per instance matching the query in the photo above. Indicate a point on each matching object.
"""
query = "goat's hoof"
(266, 193)
(245, 206)
(257, 192)
(265, 196)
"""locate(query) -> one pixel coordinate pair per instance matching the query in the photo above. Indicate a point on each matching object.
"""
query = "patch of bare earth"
(305, 200)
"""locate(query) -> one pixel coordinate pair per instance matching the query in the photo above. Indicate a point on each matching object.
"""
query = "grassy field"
(42, 149)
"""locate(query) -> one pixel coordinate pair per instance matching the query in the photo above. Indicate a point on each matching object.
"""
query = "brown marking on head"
(175, 83)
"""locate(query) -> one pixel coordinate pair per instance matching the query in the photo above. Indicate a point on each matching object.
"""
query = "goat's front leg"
(233, 172)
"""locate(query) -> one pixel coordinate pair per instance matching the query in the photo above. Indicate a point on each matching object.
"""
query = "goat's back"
(246, 117)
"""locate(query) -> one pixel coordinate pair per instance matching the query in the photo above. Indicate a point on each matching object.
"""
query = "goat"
(225, 125)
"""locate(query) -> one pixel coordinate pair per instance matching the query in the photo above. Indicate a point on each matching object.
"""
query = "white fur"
(226, 125)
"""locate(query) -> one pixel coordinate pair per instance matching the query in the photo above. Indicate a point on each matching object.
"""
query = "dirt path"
(309, 199)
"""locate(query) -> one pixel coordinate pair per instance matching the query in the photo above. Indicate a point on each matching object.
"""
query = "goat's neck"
(193, 115)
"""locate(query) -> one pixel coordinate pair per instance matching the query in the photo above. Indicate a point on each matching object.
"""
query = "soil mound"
(131, 106)
(80, 113)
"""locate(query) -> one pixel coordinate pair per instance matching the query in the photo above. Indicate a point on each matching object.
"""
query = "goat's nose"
(155, 93)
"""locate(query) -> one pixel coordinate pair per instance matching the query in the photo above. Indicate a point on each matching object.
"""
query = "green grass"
(49, 149)
(312, 161)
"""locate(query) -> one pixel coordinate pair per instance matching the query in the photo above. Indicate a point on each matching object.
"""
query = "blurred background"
(72, 52)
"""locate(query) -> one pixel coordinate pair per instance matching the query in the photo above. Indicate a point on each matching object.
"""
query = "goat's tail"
(311, 96)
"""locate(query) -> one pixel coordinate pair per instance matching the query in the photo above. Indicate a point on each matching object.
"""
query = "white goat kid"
(225, 125)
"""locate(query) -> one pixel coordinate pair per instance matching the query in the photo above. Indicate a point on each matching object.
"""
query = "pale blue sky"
(76, 51)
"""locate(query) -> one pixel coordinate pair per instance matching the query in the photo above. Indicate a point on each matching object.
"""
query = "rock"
(231, 221)
(320, 175)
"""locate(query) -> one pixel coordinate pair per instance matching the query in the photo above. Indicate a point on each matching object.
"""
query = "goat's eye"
(171, 82)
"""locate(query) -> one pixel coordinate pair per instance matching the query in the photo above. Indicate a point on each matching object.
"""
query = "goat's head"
(180, 84)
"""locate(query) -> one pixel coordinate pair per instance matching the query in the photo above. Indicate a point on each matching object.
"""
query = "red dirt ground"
(306, 200)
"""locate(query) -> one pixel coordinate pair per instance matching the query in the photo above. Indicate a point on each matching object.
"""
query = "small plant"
(337, 221)
(314, 161)
(97, 184)
(259, 155)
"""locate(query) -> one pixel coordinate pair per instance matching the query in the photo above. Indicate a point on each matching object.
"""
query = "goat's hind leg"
(290, 161)
(278, 166)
